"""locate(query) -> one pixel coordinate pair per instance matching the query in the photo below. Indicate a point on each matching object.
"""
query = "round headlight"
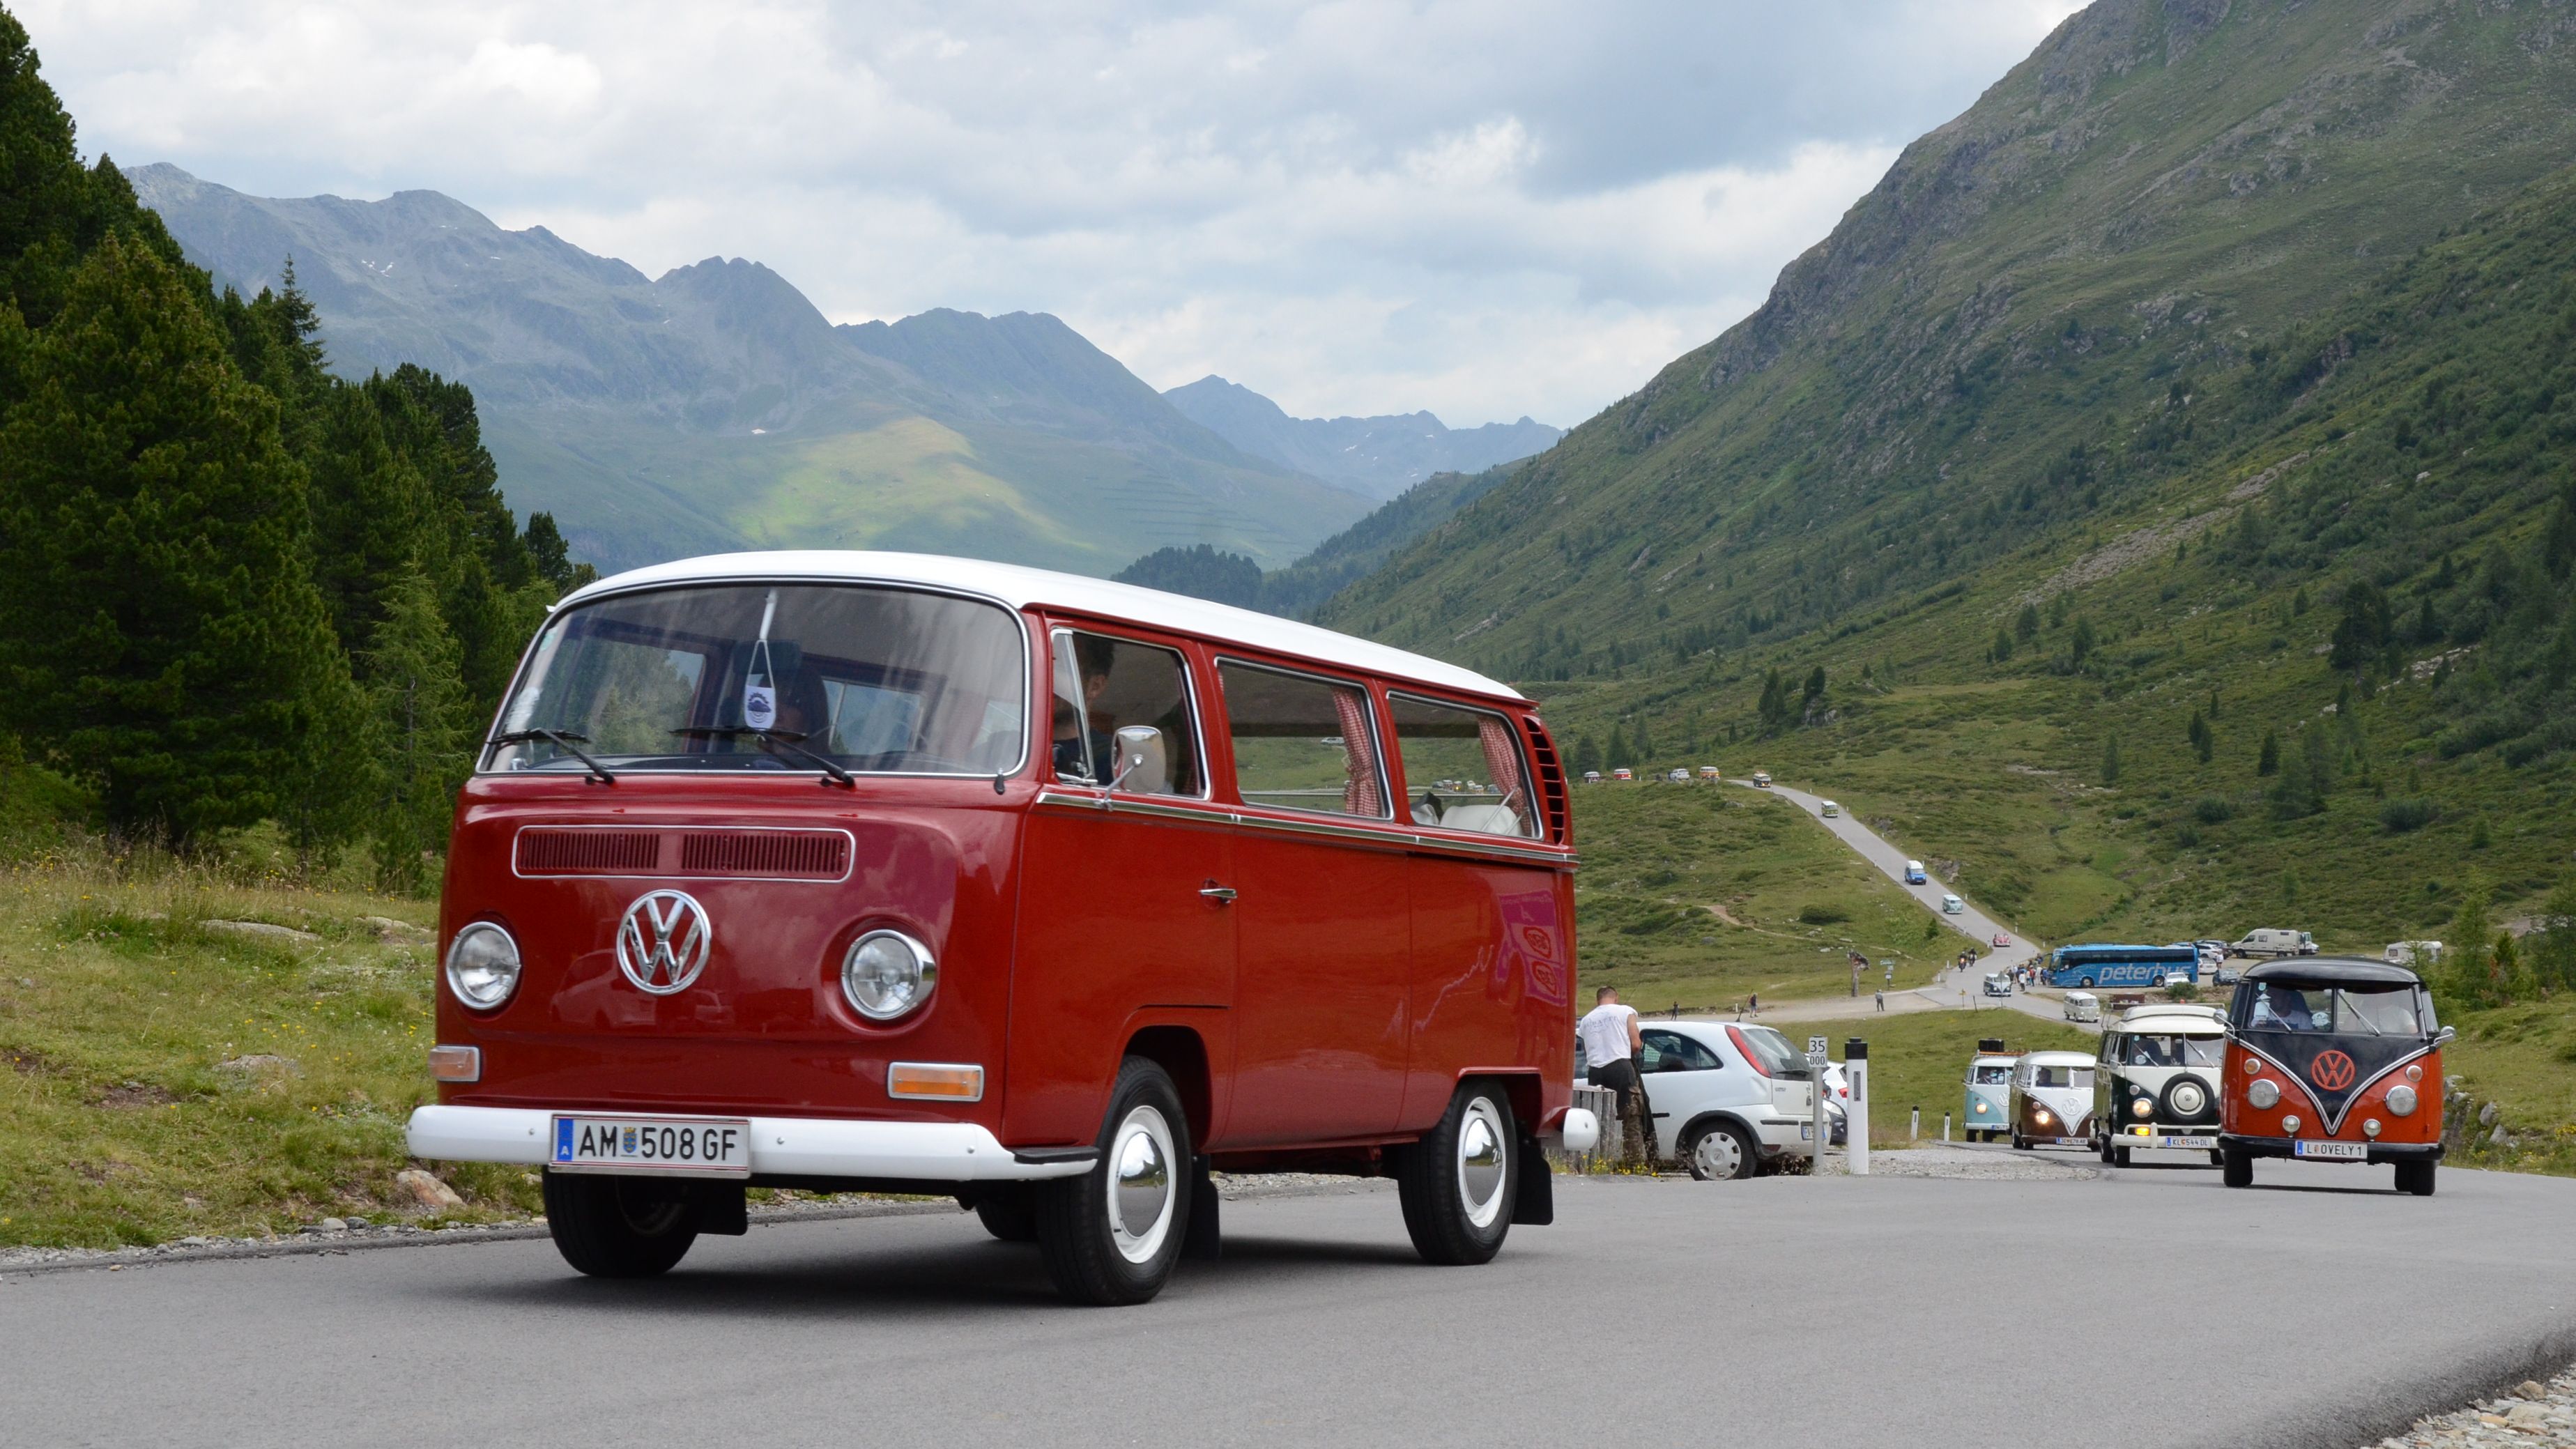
(2141, 1107)
(886, 974)
(2290, 1125)
(2401, 1100)
(2264, 1093)
(483, 966)
(2041, 1117)
(1977, 1107)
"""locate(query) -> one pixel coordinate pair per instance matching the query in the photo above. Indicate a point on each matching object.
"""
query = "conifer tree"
(159, 631)
(417, 697)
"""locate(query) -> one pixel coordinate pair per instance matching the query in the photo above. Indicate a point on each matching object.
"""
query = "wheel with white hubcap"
(1456, 1184)
(1719, 1152)
(1112, 1235)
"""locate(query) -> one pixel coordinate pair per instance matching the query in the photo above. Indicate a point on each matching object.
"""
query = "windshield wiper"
(770, 741)
(563, 740)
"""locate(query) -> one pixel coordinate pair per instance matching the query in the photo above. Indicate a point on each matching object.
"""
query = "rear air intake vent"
(790, 854)
(589, 852)
(1551, 780)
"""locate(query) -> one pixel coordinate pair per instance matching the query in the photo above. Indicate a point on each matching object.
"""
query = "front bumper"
(2379, 1152)
(786, 1147)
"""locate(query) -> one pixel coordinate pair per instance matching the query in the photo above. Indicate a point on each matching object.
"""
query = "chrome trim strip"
(1382, 837)
(850, 862)
(554, 615)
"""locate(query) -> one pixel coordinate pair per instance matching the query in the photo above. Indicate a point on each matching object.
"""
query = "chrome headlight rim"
(2141, 1108)
(483, 966)
(2263, 1093)
(887, 975)
(2402, 1100)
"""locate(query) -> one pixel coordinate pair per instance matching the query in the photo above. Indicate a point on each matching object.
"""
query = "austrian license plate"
(2072, 1141)
(659, 1146)
(2331, 1151)
(2188, 1144)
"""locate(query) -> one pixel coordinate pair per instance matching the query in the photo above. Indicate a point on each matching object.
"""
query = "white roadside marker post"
(1945, 1126)
(1856, 1065)
(1914, 1126)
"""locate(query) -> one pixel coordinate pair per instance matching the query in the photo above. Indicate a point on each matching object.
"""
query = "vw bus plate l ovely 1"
(2331, 1151)
(653, 1146)
(2188, 1144)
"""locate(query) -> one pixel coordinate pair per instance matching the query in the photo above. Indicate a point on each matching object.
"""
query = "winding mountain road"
(1954, 989)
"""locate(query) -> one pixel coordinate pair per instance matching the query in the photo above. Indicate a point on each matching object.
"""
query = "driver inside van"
(2281, 1007)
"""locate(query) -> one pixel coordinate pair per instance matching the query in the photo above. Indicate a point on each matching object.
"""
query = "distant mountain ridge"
(1379, 456)
(715, 407)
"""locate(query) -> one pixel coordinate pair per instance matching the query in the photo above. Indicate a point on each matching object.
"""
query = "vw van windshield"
(2333, 1008)
(2079, 1078)
(2143, 1050)
(712, 677)
(1990, 1074)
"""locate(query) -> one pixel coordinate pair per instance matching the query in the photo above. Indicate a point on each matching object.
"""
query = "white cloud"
(1484, 207)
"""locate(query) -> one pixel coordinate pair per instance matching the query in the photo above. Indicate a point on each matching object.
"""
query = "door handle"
(1222, 895)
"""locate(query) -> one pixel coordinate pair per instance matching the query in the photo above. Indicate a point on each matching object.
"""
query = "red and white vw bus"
(873, 871)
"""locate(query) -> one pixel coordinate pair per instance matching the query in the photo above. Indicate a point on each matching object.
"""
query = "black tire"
(2416, 1177)
(2119, 1157)
(2085, 982)
(1456, 1184)
(1009, 1213)
(2102, 1145)
(1093, 1250)
(620, 1227)
(1731, 1152)
(2236, 1169)
(2217, 1158)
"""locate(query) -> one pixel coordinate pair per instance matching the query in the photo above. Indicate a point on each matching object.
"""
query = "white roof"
(2177, 1017)
(2058, 1059)
(1023, 588)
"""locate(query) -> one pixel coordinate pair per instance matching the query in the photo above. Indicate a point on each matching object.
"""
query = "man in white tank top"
(1611, 1042)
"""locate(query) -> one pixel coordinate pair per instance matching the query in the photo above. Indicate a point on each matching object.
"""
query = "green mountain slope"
(713, 407)
(2142, 343)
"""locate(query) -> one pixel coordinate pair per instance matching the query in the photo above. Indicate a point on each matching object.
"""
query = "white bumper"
(780, 1146)
(1581, 1130)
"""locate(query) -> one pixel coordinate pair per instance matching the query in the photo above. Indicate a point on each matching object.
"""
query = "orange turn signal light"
(935, 1081)
(456, 1063)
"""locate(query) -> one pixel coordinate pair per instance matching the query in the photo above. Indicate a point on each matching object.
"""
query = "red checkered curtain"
(1359, 761)
(1503, 762)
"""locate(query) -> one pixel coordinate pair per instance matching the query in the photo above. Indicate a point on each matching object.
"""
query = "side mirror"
(2445, 1034)
(1138, 748)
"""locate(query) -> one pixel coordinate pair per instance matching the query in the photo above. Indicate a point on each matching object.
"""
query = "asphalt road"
(2147, 1307)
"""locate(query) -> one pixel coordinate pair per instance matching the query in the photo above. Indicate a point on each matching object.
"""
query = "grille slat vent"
(1551, 781)
(806, 855)
(589, 852)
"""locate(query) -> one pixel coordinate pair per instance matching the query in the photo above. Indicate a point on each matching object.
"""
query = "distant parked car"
(2272, 941)
(2228, 976)
(2002, 940)
(1623, 774)
(1914, 873)
(1592, 777)
(1832, 809)
(1711, 774)
(1761, 780)
(2082, 1006)
(1951, 905)
(1679, 776)
(2414, 953)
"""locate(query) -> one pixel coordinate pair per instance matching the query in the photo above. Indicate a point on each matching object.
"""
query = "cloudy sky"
(1483, 207)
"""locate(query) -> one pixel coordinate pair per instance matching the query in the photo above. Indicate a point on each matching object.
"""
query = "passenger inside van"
(1104, 685)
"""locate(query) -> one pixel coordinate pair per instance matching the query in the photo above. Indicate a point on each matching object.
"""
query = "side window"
(1104, 685)
(1463, 768)
(1670, 1051)
(1301, 742)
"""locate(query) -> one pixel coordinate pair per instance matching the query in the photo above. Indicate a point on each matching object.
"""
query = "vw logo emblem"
(2332, 1071)
(662, 941)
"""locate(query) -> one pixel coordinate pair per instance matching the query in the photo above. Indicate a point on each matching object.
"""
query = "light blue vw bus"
(1988, 1109)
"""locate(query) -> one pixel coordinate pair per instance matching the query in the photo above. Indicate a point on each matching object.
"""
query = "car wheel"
(2102, 1145)
(620, 1227)
(1719, 1152)
(1456, 1184)
(2017, 1143)
(2235, 1168)
(2416, 1177)
(2217, 1158)
(2119, 1157)
(1009, 1213)
(1112, 1235)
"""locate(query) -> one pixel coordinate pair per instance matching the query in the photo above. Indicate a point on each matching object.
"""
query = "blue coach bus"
(2088, 966)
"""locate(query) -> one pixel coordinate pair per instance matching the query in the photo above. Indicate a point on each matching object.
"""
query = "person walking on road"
(1612, 1044)
(1882, 1001)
